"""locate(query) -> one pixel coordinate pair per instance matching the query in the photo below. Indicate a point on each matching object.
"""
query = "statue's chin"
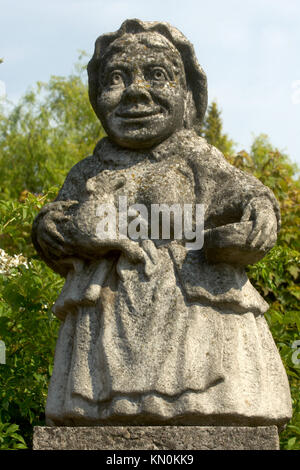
(139, 138)
(136, 143)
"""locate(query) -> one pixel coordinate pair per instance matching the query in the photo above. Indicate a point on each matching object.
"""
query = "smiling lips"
(138, 112)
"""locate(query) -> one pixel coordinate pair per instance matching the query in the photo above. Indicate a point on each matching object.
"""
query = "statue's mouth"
(138, 112)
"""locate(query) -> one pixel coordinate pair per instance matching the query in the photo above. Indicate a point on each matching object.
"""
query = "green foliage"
(9, 438)
(16, 218)
(276, 276)
(28, 289)
(211, 130)
(40, 140)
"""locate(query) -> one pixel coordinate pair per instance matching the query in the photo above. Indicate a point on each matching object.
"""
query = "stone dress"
(174, 338)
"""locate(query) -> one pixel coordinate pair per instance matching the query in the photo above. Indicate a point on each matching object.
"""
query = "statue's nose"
(137, 91)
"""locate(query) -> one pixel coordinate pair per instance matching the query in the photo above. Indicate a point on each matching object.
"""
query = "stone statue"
(154, 332)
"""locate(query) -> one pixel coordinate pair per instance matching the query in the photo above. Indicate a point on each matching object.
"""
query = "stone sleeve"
(228, 196)
(72, 189)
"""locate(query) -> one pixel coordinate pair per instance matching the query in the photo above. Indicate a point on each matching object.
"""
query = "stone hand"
(53, 229)
(243, 242)
(263, 234)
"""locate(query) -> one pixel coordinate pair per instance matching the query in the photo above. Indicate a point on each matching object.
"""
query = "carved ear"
(189, 110)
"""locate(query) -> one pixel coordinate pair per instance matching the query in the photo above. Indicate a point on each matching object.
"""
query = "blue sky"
(249, 49)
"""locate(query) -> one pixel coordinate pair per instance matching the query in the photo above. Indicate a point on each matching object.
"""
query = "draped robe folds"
(174, 338)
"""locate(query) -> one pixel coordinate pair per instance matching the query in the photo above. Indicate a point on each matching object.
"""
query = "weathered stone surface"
(153, 332)
(155, 438)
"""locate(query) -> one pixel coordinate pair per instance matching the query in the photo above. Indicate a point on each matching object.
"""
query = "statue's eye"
(116, 78)
(159, 75)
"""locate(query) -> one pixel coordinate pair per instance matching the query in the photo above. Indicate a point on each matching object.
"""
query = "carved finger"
(271, 240)
(62, 204)
(50, 230)
(50, 246)
(266, 232)
(134, 252)
(258, 223)
(247, 214)
(56, 206)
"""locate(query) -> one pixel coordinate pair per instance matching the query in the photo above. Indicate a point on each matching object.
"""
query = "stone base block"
(156, 438)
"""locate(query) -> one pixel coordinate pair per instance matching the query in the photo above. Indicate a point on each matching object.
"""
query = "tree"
(212, 128)
(41, 138)
(276, 276)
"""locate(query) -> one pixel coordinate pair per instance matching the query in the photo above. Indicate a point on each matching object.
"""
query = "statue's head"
(145, 83)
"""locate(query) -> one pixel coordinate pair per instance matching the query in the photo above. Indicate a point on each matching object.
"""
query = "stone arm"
(244, 217)
(59, 239)
(247, 241)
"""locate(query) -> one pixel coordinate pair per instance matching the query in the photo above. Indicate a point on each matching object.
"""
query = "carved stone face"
(142, 90)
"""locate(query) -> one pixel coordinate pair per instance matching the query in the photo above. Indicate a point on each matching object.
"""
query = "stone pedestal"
(156, 438)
